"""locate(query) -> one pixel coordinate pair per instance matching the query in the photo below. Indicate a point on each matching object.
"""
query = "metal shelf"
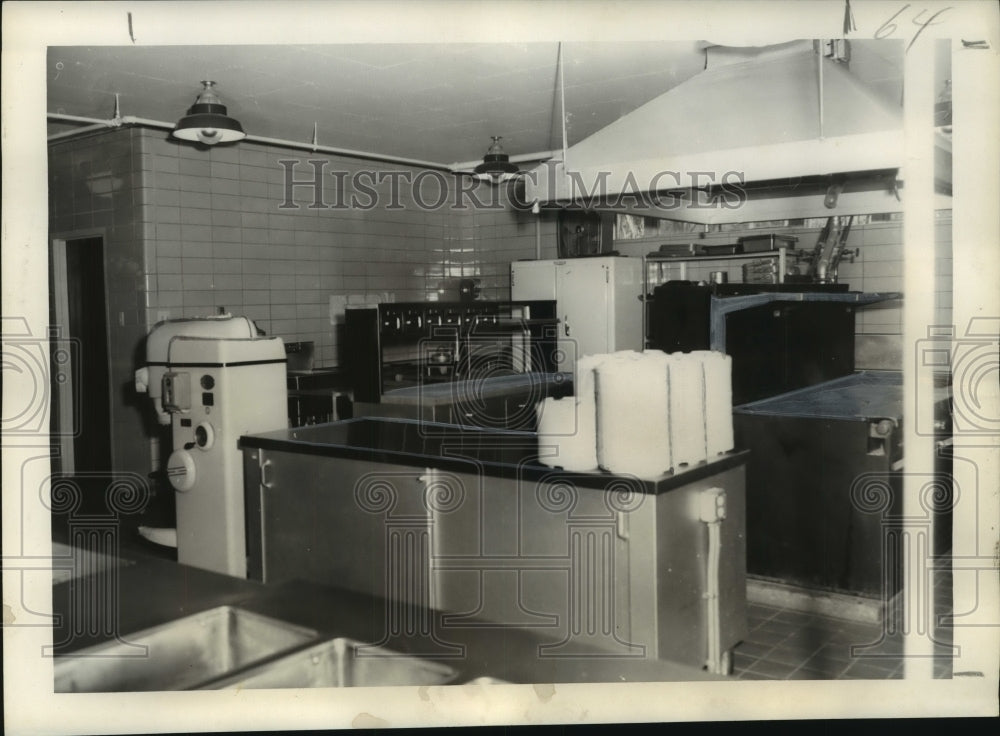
(781, 254)
(724, 257)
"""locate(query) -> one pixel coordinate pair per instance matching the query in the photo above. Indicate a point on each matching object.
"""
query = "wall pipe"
(97, 124)
(77, 131)
(283, 143)
(348, 153)
(80, 119)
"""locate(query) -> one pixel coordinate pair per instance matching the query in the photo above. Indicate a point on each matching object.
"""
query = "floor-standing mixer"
(213, 379)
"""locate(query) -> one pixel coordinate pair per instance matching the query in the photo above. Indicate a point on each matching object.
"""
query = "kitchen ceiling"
(433, 102)
(430, 102)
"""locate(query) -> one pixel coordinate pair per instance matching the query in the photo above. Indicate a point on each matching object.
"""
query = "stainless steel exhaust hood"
(783, 113)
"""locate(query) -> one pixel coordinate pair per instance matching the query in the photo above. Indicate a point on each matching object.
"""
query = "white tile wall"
(878, 267)
(221, 238)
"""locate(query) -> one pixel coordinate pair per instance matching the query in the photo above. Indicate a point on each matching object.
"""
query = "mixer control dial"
(181, 470)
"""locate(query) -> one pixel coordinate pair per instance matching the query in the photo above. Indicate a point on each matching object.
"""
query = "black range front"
(824, 484)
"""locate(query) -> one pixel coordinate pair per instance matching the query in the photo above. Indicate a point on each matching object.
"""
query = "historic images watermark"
(38, 365)
(972, 362)
(311, 184)
(902, 532)
(40, 413)
(939, 534)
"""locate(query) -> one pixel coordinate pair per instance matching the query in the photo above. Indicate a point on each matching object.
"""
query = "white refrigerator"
(598, 302)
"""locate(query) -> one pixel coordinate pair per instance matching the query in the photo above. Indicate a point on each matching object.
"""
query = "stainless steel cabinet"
(606, 569)
(593, 569)
(335, 522)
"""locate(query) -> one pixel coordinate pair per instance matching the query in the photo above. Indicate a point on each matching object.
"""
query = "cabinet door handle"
(566, 325)
(265, 475)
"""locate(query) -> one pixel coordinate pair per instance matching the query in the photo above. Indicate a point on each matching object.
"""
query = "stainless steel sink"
(182, 654)
(342, 662)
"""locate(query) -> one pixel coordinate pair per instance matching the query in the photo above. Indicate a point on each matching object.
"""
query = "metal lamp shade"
(209, 128)
(496, 163)
(207, 121)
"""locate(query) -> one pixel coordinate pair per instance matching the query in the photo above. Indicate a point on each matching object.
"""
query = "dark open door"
(82, 320)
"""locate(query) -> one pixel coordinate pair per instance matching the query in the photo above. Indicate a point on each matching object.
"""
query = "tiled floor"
(785, 644)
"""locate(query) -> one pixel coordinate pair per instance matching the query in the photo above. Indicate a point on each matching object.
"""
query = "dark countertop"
(449, 392)
(731, 303)
(859, 397)
(491, 452)
(153, 591)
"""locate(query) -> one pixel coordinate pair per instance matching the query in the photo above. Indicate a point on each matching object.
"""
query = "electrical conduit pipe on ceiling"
(97, 123)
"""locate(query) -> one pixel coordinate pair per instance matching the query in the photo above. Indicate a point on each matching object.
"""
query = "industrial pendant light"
(496, 163)
(207, 121)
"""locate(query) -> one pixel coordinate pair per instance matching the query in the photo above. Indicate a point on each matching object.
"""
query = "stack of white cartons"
(567, 427)
(718, 380)
(633, 435)
(641, 414)
(687, 409)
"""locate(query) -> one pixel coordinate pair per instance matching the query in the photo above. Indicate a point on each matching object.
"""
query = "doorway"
(81, 406)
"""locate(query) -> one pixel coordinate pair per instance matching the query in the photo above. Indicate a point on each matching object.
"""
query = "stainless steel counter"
(468, 521)
(153, 591)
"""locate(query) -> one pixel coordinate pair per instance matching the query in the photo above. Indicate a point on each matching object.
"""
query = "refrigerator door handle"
(566, 325)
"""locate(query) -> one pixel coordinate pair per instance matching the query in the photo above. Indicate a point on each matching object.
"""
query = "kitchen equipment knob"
(181, 470)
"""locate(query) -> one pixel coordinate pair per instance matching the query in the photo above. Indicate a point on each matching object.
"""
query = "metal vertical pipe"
(976, 316)
(819, 85)
(538, 236)
(918, 316)
(562, 99)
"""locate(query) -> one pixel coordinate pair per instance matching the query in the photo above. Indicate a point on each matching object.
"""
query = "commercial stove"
(824, 484)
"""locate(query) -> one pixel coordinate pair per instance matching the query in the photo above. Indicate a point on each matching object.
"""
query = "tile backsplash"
(245, 229)
(192, 231)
